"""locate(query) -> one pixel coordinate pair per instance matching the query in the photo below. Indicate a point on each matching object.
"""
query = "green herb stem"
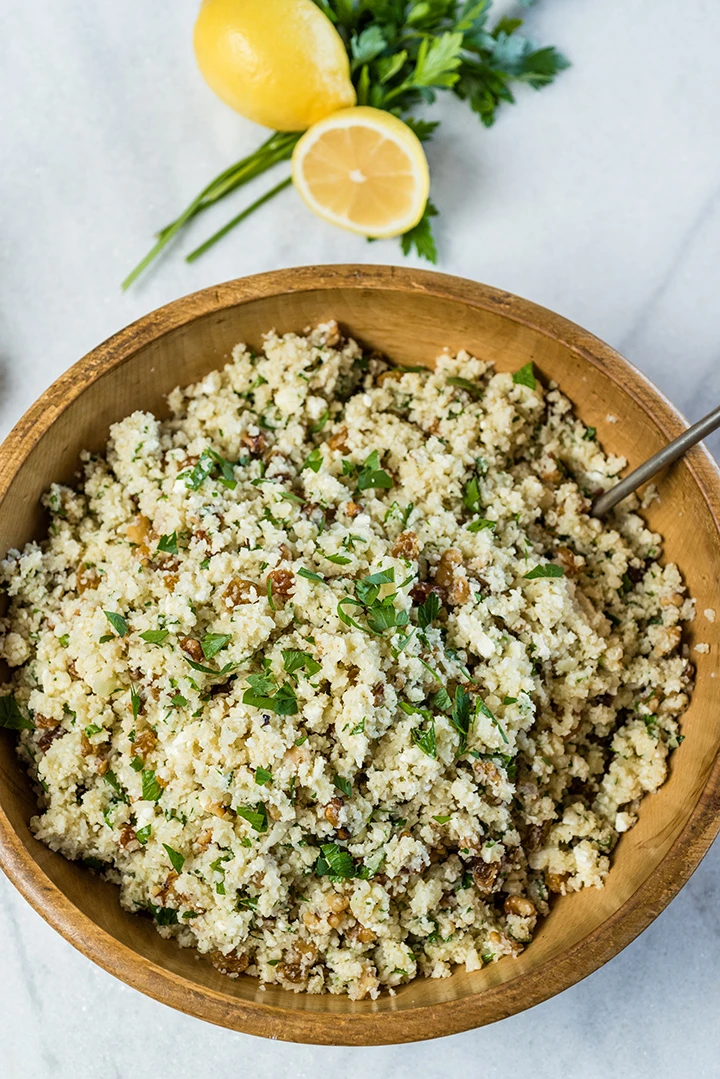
(277, 148)
(237, 219)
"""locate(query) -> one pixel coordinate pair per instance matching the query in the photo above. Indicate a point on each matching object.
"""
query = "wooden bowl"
(411, 316)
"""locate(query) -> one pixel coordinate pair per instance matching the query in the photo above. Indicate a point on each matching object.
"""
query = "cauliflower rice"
(332, 673)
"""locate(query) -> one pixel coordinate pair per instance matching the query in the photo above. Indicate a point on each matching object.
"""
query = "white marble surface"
(599, 197)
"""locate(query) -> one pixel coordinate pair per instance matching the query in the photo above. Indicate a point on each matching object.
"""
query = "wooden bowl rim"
(406, 1024)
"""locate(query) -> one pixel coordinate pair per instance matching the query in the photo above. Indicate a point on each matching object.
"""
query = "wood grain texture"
(411, 315)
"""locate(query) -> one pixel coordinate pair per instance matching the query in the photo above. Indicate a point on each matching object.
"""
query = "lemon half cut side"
(364, 170)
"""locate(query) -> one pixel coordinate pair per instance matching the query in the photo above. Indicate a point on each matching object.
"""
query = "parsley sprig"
(402, 54)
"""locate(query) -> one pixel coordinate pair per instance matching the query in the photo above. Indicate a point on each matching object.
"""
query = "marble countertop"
(599, 197)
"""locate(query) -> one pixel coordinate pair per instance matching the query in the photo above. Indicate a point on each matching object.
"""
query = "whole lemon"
(280, 63)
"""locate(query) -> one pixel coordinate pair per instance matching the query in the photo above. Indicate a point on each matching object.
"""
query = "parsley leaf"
(480, 524)
(343, 785)
(255, 816)
(263, 778)
(548, 570)
(295, 660)
(334, 862)
(425, 739)
(154, 636)
(168, 543)
(428, 611)
(421, 237)
(117, 622)
(461, 716)
(11, 718)
(212, 643)
(151, 789)
(371, 476)
(313, 460)
(525, 377)
(177, 859)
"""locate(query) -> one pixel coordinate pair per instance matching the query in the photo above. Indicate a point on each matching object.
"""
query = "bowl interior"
(411, 317)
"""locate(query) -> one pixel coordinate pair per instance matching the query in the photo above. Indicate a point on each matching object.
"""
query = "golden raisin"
(484, 875)
(449, 562)
(556, 882)
(353, 508)
(86, 577)
(239, 591)
(283, 582)
(233, 963)
(406, 546)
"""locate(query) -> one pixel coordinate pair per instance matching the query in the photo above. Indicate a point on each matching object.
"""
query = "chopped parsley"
(549, 570)
(212, 643)
(263, 778)
(313, 460)
(117, 622)
(151, 789)
(11, 718)
(343, 785)
(168, 543)
(525, 377)
(154, 636)
(264, 692)
(177, 859)
(334, 862)
(256, 816)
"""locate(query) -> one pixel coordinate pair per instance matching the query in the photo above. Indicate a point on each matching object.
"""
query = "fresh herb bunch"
(402, 52)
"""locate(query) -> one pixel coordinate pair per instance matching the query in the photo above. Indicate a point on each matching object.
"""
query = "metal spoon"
(663, 457)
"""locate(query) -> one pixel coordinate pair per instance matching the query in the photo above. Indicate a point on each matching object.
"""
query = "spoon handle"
(665, 456)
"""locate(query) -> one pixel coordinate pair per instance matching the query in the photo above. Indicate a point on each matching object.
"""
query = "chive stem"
(237, 219)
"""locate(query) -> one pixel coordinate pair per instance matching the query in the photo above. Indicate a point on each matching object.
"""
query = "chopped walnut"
(406, 546)
(44, 723)
(233, 963)
(311, 921)
(163, 893)
(145, 743)
(51, 736)
(666, 640)
(128, 839)
(337, 902)
(283, 582)
(570, 562)
(239, 591)
(255, 444)
(338, 441)
(192, 648)
(675, 600)
(420, 592)
(518, 904)
(332, 811)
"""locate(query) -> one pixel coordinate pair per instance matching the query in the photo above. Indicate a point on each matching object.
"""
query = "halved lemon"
(365, 170)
